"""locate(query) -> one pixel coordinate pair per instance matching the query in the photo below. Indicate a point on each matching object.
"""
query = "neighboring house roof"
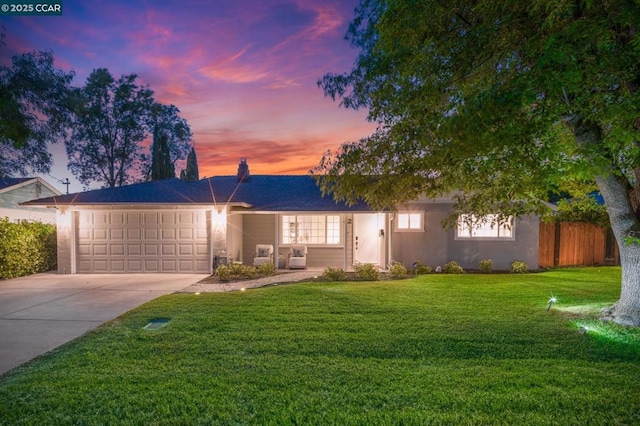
(10, 183)
(258, 193)
(7, 182)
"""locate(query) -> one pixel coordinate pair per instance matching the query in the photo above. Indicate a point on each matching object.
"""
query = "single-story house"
(178, 226)
(14, 191)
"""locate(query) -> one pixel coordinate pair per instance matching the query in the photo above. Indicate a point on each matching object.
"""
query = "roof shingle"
(259, 192)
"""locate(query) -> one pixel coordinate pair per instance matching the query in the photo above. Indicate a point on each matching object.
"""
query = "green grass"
(437, 349)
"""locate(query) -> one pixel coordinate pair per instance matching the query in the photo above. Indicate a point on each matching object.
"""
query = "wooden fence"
(576, 244)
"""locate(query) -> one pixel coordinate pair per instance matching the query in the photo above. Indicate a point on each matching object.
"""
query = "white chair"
(298, 257)
(263, 254)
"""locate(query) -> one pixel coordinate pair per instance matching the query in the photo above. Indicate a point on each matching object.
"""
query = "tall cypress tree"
(161, 165)
(191, 172)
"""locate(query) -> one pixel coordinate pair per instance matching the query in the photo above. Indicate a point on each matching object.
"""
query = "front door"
(368, 238)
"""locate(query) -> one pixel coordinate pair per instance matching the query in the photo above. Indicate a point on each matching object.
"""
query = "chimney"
(243, 170)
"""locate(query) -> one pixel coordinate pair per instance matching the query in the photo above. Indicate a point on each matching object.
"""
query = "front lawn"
(437, 349)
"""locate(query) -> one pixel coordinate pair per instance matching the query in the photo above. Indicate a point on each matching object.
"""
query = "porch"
(332, 239)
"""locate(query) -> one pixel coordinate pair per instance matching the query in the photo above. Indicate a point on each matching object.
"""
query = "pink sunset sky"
(242, 72)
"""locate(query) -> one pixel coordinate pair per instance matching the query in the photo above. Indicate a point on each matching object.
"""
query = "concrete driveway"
(41, 312)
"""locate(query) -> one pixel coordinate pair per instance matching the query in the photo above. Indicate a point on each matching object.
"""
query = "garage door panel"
(134, 218)
(134, 249)
(116, 249)
(118, 219)
(185, 265)
(168, 249)
(151, 265)
(151, 234)
(134, 234)
(117, 265)
(101, 234)
(186, 249)
(134, 265)
(100, 265)
(167, 218)
(185, 234)
(117, 233)
(202, 265)
(151, 250)
(169, 265)
(84, 249)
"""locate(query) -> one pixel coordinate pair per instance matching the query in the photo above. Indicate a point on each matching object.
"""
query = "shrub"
(241, 271)
(398, 270)
(367, 272)
(26, 248)
(422, 269)
(486, 266)
(267, 269)
(452, 267)
(223, 272)
(518, 267)
(334, 274)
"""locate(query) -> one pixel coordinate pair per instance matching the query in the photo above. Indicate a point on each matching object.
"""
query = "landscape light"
(583, 329)
(551, 302)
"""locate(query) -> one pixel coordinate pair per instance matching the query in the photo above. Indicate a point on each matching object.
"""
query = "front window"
(410, 221)
(311, 229)
(489, 226)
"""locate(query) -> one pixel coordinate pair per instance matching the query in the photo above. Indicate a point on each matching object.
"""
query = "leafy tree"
(108, 128)
(171, 140)
(33, 106)
(191, 172)
(581, 209)
(501, 101)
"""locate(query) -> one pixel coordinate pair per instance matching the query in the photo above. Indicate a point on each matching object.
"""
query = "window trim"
(409, 213)
(461, 237)
(339, 244)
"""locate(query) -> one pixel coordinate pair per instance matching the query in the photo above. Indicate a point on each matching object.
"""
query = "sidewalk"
(260, 282)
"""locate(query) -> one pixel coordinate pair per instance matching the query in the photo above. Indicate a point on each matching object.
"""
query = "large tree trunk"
(624, 224)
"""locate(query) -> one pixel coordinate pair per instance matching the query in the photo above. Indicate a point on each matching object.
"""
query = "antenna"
(64, 182)
(67, 183)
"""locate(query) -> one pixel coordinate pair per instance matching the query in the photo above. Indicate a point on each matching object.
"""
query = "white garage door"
(142, 241)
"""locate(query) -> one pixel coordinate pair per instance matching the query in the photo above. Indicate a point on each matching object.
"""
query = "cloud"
(243, 73)
(229, 69)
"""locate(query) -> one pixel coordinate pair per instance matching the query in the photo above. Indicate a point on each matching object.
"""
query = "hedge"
(26, 248)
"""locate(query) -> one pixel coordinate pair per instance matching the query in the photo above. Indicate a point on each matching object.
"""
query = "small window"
(489, 226)
(410, 221)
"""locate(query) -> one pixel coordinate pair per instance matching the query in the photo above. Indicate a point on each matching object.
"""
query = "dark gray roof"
(6, 182)
(259, 192)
